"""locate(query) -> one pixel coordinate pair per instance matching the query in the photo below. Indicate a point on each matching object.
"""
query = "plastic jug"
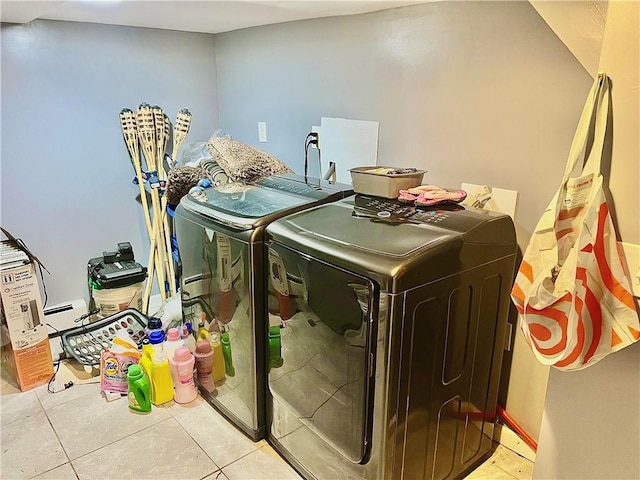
(145, 361)
(226, 351)
(156, 339)
(203, 333)
(182, 365)
(218, 357)
(172, 343)
(187, 337)
(204, 365)
(139, 395)
(154, 324)
(275, 347)
(161, 380)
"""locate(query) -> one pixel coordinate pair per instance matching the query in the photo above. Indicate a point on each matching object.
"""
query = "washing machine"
(387, 364)
(223, 279)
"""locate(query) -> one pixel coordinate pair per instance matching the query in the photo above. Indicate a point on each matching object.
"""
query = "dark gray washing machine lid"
(249, 206)
(398, 245)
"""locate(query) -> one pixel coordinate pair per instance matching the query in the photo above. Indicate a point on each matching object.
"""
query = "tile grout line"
(509, 473)
(202, 448)
(199, 446)
(23, 418)
(114, 441)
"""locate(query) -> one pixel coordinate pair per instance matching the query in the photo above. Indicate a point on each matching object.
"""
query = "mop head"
(244, 163)
(180, 181)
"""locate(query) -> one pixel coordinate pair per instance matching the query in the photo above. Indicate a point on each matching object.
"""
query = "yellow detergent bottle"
(161, 381)
(218, 357)
(203, 333)
(145, 362)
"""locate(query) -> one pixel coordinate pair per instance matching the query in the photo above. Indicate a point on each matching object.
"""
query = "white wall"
(66, 173)
(591, 422)
(482, 92)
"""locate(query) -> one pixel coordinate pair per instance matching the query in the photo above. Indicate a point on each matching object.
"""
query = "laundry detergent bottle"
(188, 338)
(182, 365)
(161, 381)
(226, 351)
(204, 365)
(218, 357)
(172, 342)
(139, 395)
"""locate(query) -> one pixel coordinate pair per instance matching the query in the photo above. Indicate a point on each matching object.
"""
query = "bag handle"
(596, 111)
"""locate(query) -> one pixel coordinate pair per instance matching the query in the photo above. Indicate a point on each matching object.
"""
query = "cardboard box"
(25, 342)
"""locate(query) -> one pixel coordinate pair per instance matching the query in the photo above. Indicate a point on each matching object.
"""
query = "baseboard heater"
(62, 317)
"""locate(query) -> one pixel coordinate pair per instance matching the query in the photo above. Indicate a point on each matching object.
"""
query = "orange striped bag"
(572, 290)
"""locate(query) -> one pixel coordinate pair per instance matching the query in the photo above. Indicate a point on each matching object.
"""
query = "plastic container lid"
(203, 347)
(154, 323)
(156, 337)
(173, 335)
(189, 328)
(134, 371)
(182, 354)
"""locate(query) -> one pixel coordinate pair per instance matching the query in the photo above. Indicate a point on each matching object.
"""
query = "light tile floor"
(77, 434)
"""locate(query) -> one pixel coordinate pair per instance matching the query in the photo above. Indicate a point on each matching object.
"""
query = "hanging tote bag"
(571, 290)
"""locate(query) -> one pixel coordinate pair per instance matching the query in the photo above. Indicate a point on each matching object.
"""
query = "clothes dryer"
(223, 279)
(390, 359)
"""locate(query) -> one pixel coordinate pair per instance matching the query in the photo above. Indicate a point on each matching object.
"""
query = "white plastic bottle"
(188, 338)
(172, 343)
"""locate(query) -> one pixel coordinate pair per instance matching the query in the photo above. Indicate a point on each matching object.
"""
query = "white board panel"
(349, 144)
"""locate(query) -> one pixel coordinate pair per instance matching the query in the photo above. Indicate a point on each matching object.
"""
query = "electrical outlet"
(316, 130)
(262, 132)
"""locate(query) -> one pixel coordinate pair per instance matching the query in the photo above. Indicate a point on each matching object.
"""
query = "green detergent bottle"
(139, 395)
(228, 358)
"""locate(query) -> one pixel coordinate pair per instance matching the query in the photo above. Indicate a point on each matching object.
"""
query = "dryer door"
(320, 358)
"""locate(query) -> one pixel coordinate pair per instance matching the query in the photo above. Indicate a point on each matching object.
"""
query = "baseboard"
(508, 438)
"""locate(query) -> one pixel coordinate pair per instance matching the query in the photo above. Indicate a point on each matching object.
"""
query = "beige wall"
(591, 422)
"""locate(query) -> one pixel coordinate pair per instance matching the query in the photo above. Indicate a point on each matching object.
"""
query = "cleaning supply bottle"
(218, 357)
(172, 343)
(145, 359)
(161, 381)
(187, 337)
(275, 347)
(154, 324)
(203, 333)
(204, 365)
(226, 351)
(156, 340)
(139, 395)
(182, 365)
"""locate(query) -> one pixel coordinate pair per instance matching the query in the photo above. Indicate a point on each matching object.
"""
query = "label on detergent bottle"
(133, 402)
(188, 381)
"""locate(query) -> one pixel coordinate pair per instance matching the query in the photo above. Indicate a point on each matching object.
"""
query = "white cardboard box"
(25, 343)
